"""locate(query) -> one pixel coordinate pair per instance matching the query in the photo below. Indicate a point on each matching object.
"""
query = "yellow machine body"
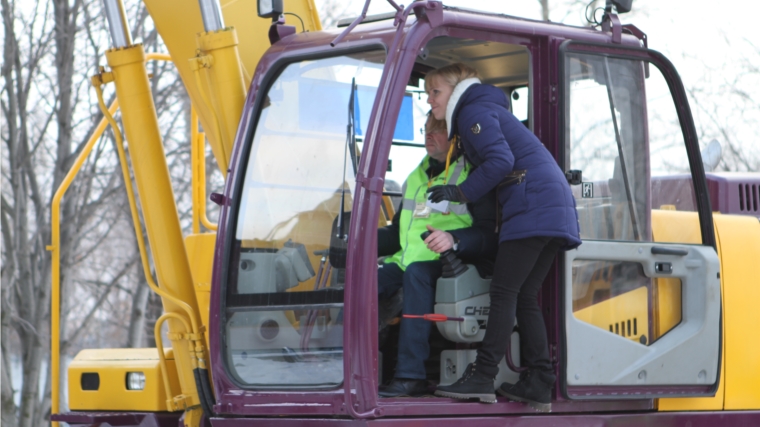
(111, 366)
(739, 251)
(618, 313)
(200, 253)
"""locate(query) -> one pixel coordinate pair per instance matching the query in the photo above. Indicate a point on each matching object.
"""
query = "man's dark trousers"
(418, 282)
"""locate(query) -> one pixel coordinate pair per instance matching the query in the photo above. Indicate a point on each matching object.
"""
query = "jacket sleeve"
(388, 242)
(479, 126)
(479, 240)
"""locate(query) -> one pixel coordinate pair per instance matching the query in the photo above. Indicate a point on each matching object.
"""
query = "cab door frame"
(690, 262)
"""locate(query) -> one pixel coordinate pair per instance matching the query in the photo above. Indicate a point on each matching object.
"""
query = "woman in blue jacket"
(538, 218)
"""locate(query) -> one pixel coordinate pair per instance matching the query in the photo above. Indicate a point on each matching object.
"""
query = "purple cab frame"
(358, 398)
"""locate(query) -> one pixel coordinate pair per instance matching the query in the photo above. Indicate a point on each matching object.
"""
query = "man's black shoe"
(534, 388)
(404, 387)
(472, 385)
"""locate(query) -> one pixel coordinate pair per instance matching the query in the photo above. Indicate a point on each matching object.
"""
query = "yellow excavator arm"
(215, 52)
(216, 66)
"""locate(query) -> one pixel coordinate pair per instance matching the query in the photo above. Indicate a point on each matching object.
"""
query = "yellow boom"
(215, 66)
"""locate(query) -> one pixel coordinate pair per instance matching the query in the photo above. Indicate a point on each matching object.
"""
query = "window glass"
(624, 136)
(620, 298)
(284, 324)
(406, 153)
(520, 103)
(606, 139)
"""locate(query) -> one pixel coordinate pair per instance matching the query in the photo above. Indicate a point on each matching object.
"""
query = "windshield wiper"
(621, 152)
(351, 148)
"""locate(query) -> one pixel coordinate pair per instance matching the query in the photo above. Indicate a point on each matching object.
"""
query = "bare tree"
(332, 11)
(39, 129)
(544, 9)
(726, 109)
(50, 49)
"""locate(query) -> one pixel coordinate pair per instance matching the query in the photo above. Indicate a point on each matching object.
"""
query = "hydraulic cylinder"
(158, 204)
(227, 86)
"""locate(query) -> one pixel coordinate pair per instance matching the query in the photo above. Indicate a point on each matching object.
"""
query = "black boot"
(404, 387)
(472, 385)
(534, 388)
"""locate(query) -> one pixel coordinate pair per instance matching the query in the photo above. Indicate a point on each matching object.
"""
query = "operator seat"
(466, 296)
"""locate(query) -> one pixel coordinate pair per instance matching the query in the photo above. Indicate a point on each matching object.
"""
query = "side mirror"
(711, 155)
(270, 8)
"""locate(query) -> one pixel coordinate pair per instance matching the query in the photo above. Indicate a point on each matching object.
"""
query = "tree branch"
(104, 295)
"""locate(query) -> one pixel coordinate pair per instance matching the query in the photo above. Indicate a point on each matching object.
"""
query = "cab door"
(641, 296)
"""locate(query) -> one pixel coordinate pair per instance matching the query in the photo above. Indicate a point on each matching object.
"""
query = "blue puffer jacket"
(497, 144)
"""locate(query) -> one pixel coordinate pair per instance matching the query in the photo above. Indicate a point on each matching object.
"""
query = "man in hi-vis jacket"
(413, 264)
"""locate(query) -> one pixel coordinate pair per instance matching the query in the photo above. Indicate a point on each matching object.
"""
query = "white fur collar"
(454, 99)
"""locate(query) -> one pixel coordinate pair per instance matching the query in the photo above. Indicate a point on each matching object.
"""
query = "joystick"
(452, 266)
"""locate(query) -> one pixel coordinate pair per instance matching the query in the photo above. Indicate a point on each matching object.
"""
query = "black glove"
(451, 193)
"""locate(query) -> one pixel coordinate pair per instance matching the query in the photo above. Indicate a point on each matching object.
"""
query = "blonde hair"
(435, 125)
(451, 74)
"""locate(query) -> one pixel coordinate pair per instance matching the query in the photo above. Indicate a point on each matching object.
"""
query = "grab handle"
(660, 250)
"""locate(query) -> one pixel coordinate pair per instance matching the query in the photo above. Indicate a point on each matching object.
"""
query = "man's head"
(436, 139)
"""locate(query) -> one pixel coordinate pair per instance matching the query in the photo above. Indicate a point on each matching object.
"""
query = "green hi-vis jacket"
(416, 215)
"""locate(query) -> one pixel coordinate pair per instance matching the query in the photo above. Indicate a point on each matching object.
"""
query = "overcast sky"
(712, 44)
(708, 32)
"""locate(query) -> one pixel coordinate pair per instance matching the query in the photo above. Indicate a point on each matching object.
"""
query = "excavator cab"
(598, 101)
(331, 121)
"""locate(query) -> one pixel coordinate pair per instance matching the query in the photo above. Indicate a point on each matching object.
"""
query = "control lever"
(434, 317)
(452, 266)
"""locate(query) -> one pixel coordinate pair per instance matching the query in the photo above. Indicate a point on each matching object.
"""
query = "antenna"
(359, 19)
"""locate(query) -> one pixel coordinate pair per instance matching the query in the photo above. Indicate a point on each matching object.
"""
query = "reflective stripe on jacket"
(413, 248)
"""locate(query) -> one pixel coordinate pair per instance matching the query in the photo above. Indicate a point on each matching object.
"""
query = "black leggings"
(521, 267)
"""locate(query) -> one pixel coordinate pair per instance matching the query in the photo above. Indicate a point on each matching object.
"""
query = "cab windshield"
(284, 299)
